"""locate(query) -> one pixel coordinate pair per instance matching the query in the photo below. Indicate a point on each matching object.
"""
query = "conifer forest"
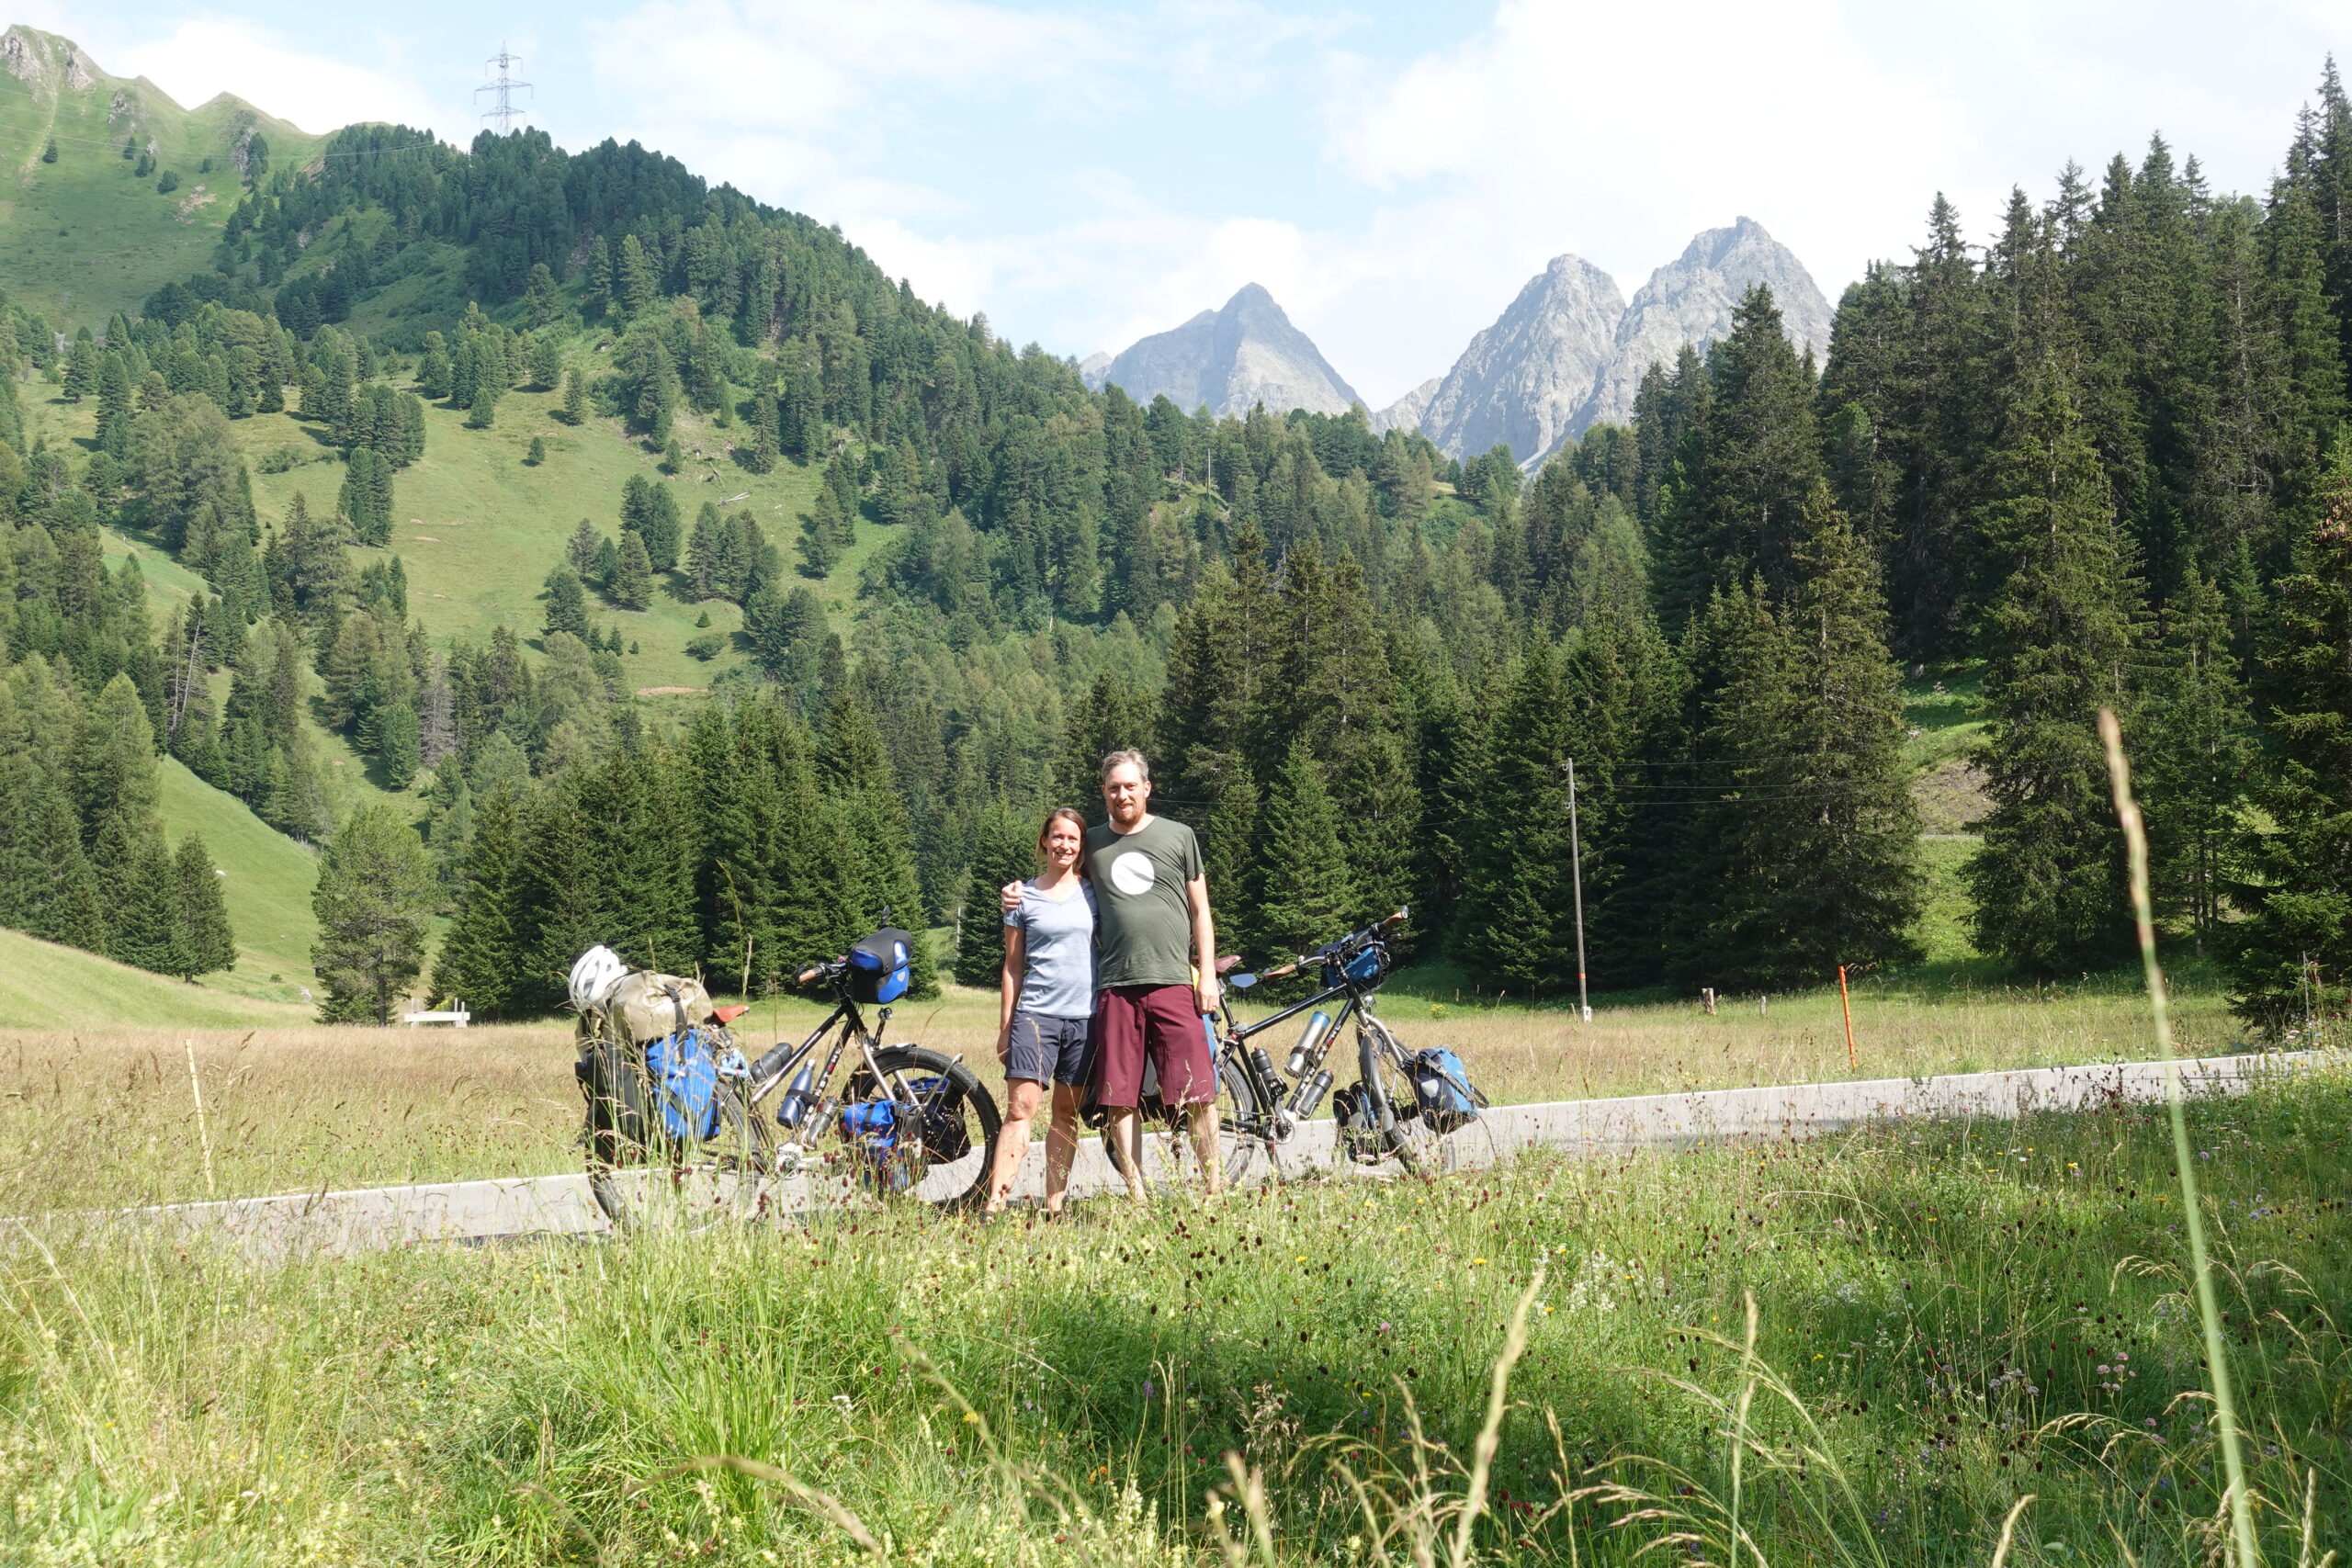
(2088, 452)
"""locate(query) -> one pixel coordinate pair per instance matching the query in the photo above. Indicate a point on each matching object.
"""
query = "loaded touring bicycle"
(683, 1128)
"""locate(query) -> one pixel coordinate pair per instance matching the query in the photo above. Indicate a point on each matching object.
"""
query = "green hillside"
(477, 528)
(267, 878)
(43, 986)
(85, 236)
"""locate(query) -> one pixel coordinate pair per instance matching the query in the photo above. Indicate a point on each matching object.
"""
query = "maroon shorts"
(1163, 1021)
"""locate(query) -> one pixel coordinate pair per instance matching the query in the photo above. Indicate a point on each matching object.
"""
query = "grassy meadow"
(84, 236)
(103, 1110)
(1949, 1320)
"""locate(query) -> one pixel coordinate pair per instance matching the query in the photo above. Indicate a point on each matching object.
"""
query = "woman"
(1048, 1003)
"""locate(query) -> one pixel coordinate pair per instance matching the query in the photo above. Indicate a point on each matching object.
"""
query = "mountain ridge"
(1244, 353)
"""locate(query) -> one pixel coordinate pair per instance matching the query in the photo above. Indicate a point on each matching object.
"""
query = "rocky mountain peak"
(1522, 381)
(1246, 352)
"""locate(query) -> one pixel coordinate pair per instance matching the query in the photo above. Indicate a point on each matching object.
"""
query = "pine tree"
(853, 774)
(537, 454)
(482, 956)
(142, 893)
(47, 887)
(366, 498)
(632, 587)
(2192, 752)
(567, 604)
(373, 891)
(636, 284)
(547, 362)
(659, 526)
(1306, 892)
(576, 398)
(1514, 929)
(482, 408)
(202, 940)
(816, 546)
(2292, 958)
(1004, 850)
(2049, 878)
(1807, 857)
(580, 550)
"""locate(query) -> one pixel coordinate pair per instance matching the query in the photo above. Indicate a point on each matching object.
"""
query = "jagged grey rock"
(1522, 381)
(1570, 353)
(1406, 412)
(1690, 302)
(1093, 368)
(1246, 353)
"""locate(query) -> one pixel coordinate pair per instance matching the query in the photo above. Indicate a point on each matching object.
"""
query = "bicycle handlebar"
(1331, 949)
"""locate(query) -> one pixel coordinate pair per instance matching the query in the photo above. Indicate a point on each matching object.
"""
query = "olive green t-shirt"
(1143, 924)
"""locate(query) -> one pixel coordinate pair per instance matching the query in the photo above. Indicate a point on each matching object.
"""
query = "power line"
(502, 109)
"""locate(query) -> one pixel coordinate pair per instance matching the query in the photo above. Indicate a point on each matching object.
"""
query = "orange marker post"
(1845, 1002)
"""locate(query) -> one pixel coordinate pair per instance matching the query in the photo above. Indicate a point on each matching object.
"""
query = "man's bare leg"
(1126, 1135)
(1061, 1145)
(1202, 1114)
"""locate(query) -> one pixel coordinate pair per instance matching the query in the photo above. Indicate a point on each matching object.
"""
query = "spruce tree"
(2048, 879)
(373, 891)
(547, 362)
(482, 955)
(1004, 849)
(576, 398)
(1514, 929)
(1306, 892)
(567, 603)
(537, 454)
(143, 897)
(863, 801)
(202, 940)
(47, 887)
(2292, 954)
(1806, 856)
(815, 546)
(2192, 755)
(632, 586)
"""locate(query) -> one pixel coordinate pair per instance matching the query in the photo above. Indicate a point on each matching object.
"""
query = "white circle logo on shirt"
(1133, 874)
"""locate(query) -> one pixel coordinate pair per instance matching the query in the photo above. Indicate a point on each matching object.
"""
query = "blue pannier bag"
(1366, 966)
(1442, 1091)
(872, 1129)
(686, 1079)
(878, 966)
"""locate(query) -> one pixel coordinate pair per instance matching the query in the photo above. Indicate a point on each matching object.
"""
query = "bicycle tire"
(674, 1184)
(1237, 1107)
(1397, 1112)
(953, 1103)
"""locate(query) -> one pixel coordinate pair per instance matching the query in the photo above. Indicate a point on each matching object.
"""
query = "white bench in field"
(456, 1017)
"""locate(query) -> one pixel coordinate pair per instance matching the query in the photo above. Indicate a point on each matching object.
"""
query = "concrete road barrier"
(372, 1219)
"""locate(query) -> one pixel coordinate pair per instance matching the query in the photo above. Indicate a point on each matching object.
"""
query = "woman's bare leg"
(1061, 1143)
(1021, 1096)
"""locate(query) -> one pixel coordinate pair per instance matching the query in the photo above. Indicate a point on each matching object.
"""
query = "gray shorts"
(1048, 1049)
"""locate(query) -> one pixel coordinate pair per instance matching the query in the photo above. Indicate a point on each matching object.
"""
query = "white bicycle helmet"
(594, 973)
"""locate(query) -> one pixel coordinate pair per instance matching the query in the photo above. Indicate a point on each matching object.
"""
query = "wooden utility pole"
(1845, 1002)
(1575, 876)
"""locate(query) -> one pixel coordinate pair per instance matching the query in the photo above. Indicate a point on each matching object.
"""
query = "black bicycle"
(906, 1122)
(1405, 1105)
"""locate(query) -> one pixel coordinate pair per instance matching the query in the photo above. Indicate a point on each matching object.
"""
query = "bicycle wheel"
(1240, 1131)
(651, 1181)
(926, 1130)
(1396, 1111)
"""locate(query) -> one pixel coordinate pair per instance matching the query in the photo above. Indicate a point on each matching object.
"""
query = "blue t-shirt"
(1058, 942)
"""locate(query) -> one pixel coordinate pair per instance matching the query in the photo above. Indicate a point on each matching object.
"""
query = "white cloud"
(205, 56)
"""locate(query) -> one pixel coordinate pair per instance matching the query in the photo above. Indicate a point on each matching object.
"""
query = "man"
(1155, 968)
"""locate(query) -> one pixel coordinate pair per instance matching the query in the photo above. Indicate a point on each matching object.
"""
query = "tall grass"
(97, 1117)
(1947, 1319)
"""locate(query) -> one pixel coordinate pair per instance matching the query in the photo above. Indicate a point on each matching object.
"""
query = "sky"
(1392, 173)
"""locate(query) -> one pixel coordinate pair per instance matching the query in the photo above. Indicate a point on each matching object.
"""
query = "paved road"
(481, 1212)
